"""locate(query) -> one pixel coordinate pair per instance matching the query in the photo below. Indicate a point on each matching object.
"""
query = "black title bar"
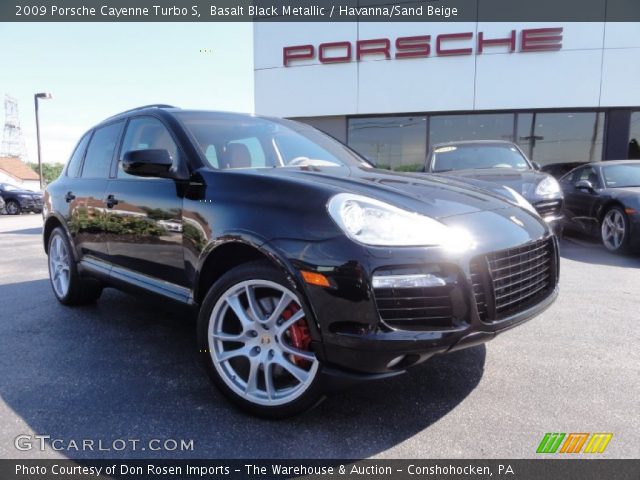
(319, 10)
(584, 469)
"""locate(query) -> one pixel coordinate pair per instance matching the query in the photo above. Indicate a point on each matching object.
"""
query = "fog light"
(407, 281)
(395, 361)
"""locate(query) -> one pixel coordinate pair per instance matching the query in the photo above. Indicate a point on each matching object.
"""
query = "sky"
(94, 70)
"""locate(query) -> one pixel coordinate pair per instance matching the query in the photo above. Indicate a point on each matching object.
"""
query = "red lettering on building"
(446, 44)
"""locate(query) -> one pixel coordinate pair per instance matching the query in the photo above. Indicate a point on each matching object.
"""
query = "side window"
(146, 133)
(212, 156)
(589, 174)
(76, 158)
(97, 161)
(243, 153)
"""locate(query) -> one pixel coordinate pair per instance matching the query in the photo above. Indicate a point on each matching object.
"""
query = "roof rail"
(153, 105)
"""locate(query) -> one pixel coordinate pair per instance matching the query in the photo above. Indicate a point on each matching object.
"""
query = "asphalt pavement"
(127, 369)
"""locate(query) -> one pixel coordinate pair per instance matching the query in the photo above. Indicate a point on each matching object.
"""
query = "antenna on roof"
(13, 144)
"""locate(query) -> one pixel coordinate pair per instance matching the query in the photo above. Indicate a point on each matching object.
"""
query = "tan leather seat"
(237, 155)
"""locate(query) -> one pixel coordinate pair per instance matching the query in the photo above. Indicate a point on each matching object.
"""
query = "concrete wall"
(598, 66)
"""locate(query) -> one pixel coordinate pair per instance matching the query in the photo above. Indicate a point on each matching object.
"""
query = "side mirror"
(536, 166)
(148, 163)
(585, 185)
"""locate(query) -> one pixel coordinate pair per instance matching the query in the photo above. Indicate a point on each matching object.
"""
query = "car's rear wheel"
(12, 207)
(615, 230)
(255, 340)
(67, 284)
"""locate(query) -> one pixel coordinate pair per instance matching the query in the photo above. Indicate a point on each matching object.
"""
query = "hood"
(437, 197)
(522, 181)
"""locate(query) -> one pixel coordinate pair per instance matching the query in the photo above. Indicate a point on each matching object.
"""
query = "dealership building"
(565, 92)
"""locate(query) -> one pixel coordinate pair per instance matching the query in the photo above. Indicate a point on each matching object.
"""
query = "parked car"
(503, 163)
(603, 199)
(307, 265)
(18, 200)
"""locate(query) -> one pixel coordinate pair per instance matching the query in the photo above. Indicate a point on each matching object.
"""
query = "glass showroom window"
(550, 138)
(634, 136)
(398, 143)
(491, 126)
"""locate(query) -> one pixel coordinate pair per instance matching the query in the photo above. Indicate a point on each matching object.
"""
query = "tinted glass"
(76, 157)
(239, 141)
(460, 157)
(452, 128)
(634, 136)
(97, 161)
(146, 133)
(589, 174)
(621, 176)
(398, 143)
(549, 138)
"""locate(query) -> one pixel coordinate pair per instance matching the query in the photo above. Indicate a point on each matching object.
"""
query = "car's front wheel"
(615, 230)
(254, 336)
(67, 284)
(12, 207)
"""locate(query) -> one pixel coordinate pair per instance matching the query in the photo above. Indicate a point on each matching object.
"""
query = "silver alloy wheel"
(613, 229)
(59, 271)
(250, 345)
(12, 208)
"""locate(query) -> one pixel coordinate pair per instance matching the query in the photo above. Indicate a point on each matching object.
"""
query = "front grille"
(415, 308)
(512, 280)
(549, 208)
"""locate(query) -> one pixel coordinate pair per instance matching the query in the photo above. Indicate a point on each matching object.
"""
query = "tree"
(50, 171)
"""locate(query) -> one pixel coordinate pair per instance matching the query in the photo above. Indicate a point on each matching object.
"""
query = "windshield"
(462, 157)
(232, 141)
(621, 176)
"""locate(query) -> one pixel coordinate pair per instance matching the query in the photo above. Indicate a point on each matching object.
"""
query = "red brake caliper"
(299, 334)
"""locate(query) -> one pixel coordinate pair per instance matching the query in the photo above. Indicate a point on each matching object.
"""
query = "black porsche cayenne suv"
(307, 266)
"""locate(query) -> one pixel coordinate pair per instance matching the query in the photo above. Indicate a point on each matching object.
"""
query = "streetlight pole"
(36, 97)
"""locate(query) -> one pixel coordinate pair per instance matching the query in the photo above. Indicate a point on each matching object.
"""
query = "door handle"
(69, 196)
(111, 201)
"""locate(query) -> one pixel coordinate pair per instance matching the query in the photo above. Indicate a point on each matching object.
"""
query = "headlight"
(520, 200)
(376, 223)
(548, 186)
(24, 196)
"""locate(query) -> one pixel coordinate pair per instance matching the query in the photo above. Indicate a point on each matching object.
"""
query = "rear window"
(76, 158)
(97, 161)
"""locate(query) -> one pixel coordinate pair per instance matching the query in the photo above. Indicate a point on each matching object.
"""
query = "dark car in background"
(306, 264)
(502, 163)
(602, 199)
(18, 200)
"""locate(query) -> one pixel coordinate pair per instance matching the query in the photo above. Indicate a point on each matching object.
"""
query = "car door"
(581, 203)
(145, 215)
(85, 193)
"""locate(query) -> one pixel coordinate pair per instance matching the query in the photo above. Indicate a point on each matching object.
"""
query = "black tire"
(12, 207)
(81, 290)
(613, 247)
(258, 270)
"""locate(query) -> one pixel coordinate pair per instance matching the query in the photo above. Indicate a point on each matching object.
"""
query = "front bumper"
(551, 212)
(350, 332)
(31, 204)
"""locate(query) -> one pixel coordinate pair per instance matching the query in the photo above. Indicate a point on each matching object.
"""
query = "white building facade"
(565, 92)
